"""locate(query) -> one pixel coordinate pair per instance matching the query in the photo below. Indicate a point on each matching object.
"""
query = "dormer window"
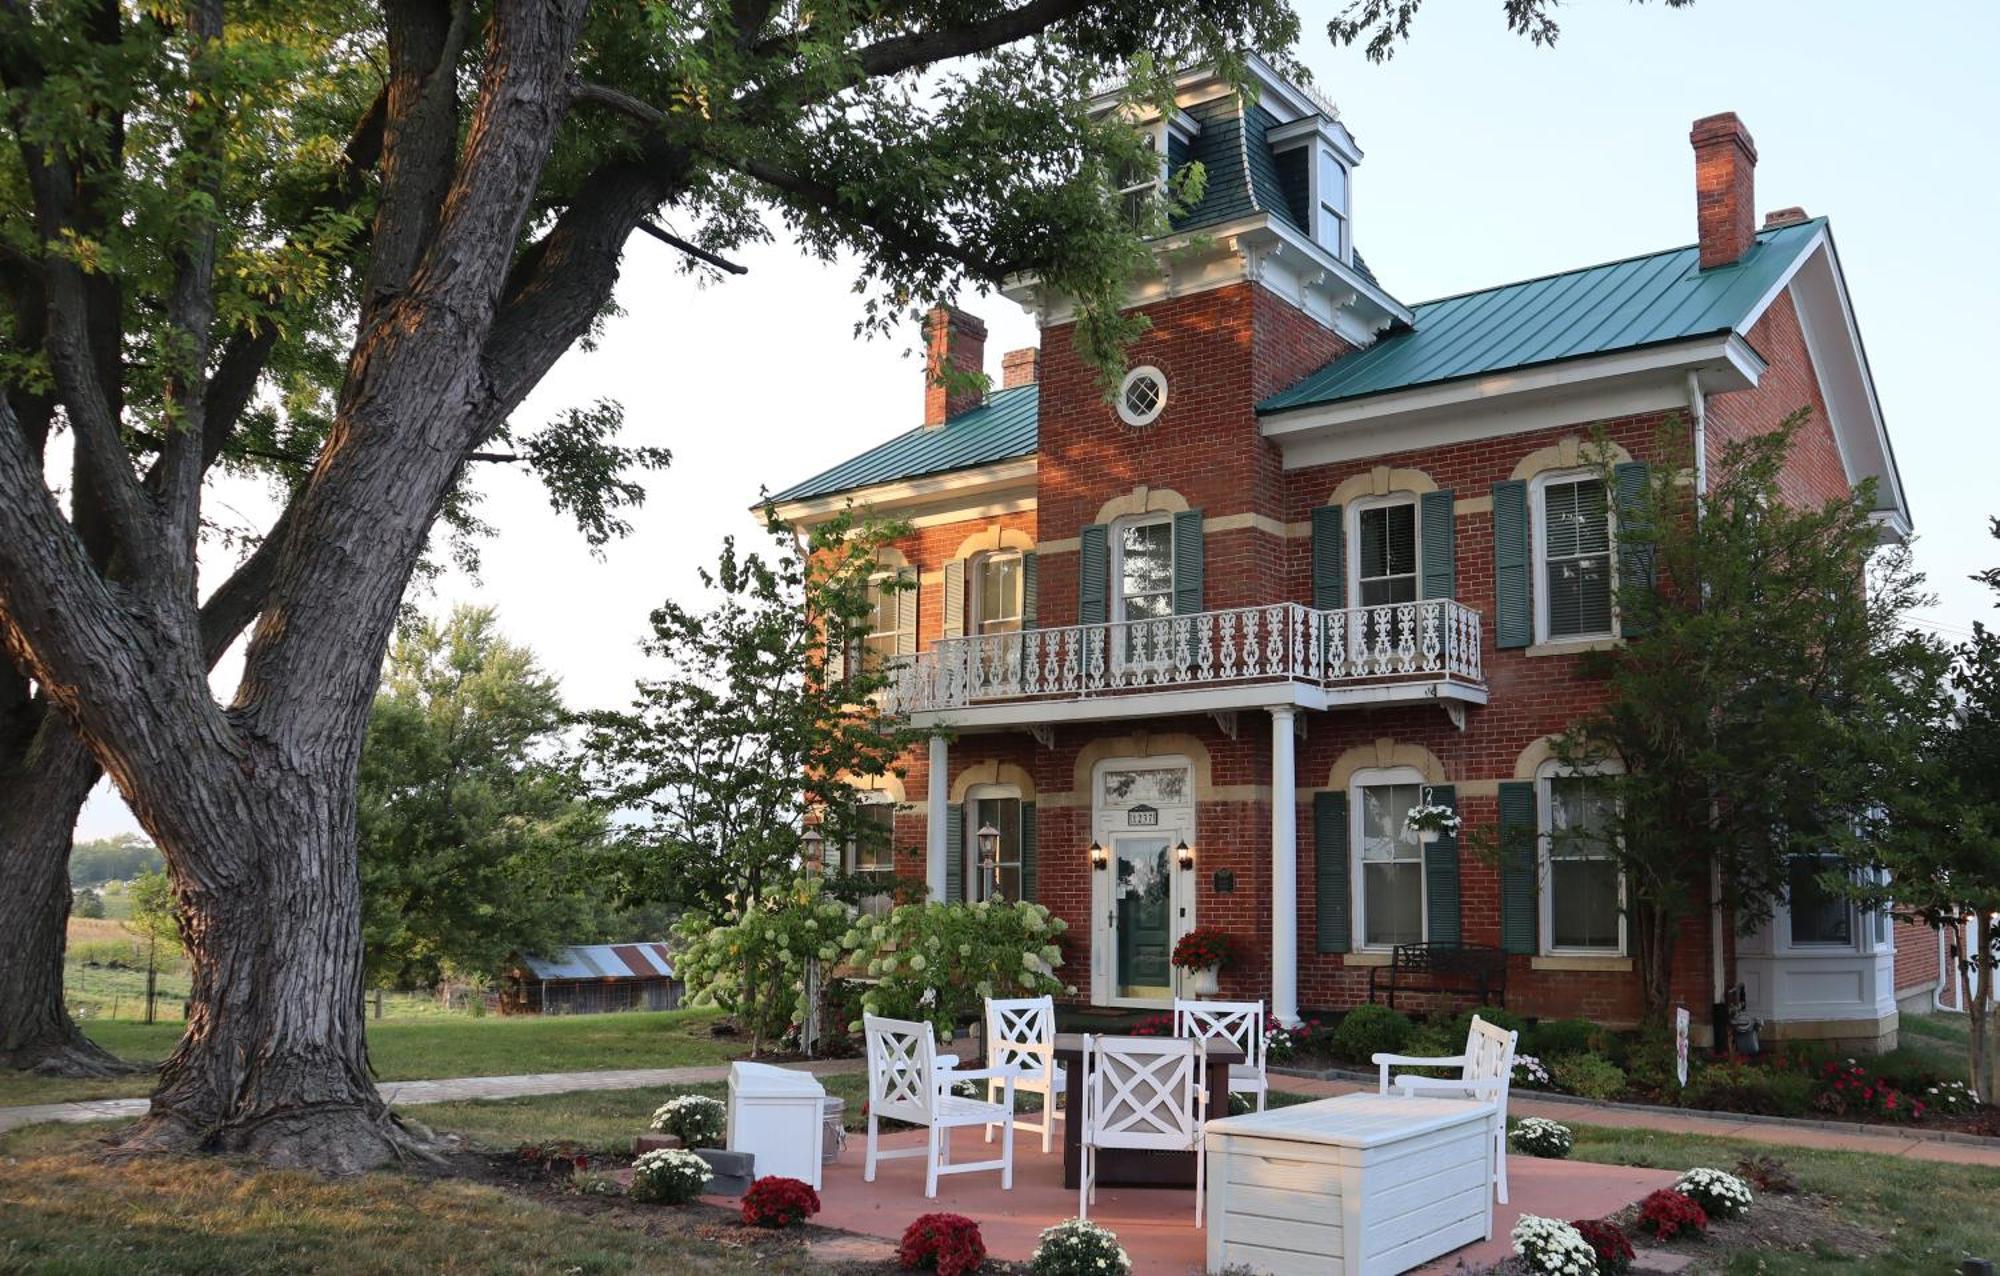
(1139, 183)
(1330, 197)
(1316, 158)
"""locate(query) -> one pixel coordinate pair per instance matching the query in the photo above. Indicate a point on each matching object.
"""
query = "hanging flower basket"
(1430, 821)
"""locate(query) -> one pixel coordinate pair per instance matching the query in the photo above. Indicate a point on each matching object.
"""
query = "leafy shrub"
(1767, 1174)
(1539, 1136)
(1666, 1214)
(1719, 1193)
(948, 1244)
(1648, 1060)
(1614, 1248)
(1591, 1075)
(697, 1120)
(1552, 1247)
(671, 1176)
(1370, 1030)
(1953, 1098)
(1529, 1073)
(940, 962)
(777, 1201)
(1847, 1088)
(1553, 1038)
(1079, 1248)
(754, 965)
(1733, 1085)
(1503, 1019)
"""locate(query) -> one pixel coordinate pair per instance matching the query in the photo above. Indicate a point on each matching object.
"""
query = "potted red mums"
(1203, 952)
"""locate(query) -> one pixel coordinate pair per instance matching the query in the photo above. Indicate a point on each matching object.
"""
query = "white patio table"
(1361, 1185)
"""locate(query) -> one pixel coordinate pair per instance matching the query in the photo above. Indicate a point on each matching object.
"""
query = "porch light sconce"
(989, 859)
(1184, 854)
(1098, 857)
(815, 849)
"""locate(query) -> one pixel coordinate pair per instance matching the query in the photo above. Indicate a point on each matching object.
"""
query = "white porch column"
(934, 812)
(1284, 870)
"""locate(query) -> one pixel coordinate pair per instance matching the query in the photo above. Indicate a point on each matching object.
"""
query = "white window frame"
(1343, 212)
(1860, 927)
(1538, 551)
(970, 864)
(1156, 136)
(1125, 413)
(1323, 139)
(1354, 513)
(1545, 814)
(1368, 778)
(894, 596)
(876, 905)
(975, 610)
(1117, 566)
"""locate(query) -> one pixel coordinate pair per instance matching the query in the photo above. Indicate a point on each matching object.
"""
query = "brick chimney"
(1778, 217)
(956, 339)
(1020, 367)
(1725, 166)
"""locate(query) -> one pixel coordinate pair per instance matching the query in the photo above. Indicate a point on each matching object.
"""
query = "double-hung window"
(1389, 890)
(992, 806)
(1822, 917)
(1332, 196)
(1143, 574)
(996, 593)
(1574, 558)
(1139, 185)
(1386, 553)
(872, 852)
(885, 637)
(1583, 912)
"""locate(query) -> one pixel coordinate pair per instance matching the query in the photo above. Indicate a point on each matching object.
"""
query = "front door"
(1145, 917)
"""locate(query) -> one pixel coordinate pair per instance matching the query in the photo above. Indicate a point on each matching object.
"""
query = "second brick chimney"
(1725, 167)
(1020, 367)
(955, 339)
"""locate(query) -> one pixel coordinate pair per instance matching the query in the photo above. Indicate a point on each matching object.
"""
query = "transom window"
(1145, 570)
(1386, 554)
(885, 637)
(1583, 912)
(1575, 559)
(1390, 890)
(1821, 917)
(1000, 808)
(996, 593)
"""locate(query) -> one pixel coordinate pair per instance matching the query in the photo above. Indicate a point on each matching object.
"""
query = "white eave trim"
(957, 485)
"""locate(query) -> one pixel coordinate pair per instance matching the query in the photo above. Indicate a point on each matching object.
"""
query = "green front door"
(1145, 912)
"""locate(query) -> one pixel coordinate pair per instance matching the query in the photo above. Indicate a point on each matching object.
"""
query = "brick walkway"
(1880, 1140)
(401, 1093)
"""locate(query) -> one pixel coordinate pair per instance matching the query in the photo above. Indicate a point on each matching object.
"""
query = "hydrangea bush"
(1079, 1248)
(1552, 1247)
(1719, 1193)
(754, 965)
(940, 962)
(1539, 1136)
(696, 1120)
(672, 1176)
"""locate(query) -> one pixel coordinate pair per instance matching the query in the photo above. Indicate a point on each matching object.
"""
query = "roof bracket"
(1455, 710)
(1045, 735)
(1225, 721)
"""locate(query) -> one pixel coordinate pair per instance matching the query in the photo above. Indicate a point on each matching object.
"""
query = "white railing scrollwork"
(1275, 642)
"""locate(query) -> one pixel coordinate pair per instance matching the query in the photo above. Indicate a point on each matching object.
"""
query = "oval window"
(1142, 396)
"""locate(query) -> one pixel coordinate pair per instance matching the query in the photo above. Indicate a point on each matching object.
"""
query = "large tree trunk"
(41, 792)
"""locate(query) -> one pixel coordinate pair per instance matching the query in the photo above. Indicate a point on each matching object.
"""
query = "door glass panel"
(1143, 903)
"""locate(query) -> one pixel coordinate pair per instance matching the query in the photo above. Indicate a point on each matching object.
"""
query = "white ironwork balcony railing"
(1433, 640)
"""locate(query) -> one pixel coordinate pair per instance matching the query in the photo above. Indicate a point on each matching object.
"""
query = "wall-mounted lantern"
(1099, 857)
(815, 849)
(989, 860)
(1184, 854)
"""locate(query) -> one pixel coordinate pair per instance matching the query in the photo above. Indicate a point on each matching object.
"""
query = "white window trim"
(1116, 610)
(1345, 208)
(1130, 417)
(1545, 814)
(1366, 778)
(1321, 136)
(1861, 927)
(1156, 131)
(975, 603)
(851, 853)
(978, 793)
(1353, 516)
(1538, 552)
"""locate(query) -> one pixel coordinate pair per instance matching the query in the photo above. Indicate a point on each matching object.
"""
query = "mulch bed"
(1794, 1224)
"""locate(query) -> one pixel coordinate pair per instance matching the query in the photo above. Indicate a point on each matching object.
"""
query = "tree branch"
(420, 140)
(695, 251)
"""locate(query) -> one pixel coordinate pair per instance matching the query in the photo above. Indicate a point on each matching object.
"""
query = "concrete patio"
(1155, 1225)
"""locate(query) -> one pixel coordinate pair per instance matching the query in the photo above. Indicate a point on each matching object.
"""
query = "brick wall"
(1813, 473)
(1916, 957)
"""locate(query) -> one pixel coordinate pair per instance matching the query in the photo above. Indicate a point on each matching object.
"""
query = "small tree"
(1747, 712)
(156, 922)
(86, 902)
(756, 720)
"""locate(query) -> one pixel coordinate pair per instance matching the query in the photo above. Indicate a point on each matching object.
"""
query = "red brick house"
(1327, 555)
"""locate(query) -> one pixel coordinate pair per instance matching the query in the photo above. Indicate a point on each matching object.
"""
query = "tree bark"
(41, 791)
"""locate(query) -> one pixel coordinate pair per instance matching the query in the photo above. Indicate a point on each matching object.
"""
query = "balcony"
(1211, 662)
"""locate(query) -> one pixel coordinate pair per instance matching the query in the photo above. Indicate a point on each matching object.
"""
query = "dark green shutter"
(1636, 565)
(1513, 592)
(1437, 530)
(1028, 850)
(954, 853)
(1520, 869)
(1329, 558)
(1093, 574)
(1330, 881)
(1031, 589)
(1187, 562)
(1441, 906)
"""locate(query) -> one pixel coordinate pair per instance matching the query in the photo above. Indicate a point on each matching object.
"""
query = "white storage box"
(1361, 1185)
(778, 1116)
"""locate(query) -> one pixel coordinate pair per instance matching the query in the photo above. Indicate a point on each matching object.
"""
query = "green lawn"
(457, 1046)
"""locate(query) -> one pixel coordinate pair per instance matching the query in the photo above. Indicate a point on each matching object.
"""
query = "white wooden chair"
(1239, 1022)
(908, 1081)
(1021, 1034)
(1485, 1071)
(1142, 1092)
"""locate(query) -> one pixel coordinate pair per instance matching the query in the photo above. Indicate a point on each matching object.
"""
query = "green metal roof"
(1000, 429)
(1621, 305)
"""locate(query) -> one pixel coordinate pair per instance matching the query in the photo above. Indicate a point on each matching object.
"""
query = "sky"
(1485, 160)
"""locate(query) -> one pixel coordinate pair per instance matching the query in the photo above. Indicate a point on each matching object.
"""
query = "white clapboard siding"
(1362, 1185)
